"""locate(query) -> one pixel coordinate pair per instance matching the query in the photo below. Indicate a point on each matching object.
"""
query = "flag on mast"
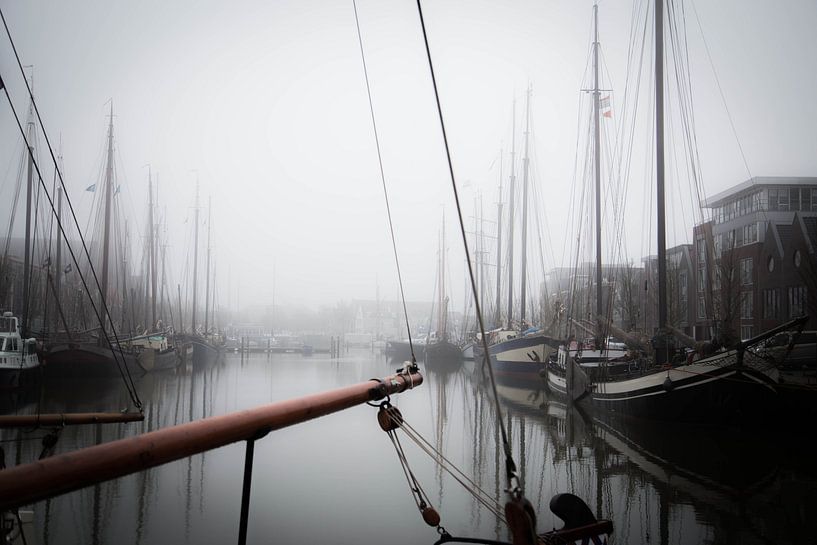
(604, 104)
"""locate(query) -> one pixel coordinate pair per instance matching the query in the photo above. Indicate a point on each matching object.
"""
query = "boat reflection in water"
(660, 484)
(667, 483)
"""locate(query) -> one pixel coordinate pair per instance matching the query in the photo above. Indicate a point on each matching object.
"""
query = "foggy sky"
(266, 102)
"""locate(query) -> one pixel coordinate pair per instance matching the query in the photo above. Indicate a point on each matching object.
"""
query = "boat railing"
(36, 481)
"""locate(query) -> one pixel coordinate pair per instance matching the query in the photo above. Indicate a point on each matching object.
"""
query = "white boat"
(18, 356)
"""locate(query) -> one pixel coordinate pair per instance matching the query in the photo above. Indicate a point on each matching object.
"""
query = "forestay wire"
(385, 190)
(514, 483)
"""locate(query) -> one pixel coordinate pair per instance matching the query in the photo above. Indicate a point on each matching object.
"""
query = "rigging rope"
(126, 376)
(514, 484)
(385, 190)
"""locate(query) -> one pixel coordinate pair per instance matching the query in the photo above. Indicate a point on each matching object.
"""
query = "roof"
(785, 231)
(755, 183)
(810, 223)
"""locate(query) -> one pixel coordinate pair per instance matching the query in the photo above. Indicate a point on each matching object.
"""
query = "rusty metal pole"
(36, 481)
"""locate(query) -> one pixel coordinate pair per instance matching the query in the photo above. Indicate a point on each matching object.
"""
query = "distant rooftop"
(757, 182)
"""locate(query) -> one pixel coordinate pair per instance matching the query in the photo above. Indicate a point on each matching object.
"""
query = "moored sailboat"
(518, 354)
(96, 355)
(439, 351)
(735, 385)
(206, 345)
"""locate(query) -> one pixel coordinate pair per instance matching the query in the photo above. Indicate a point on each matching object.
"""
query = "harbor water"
(337, 479)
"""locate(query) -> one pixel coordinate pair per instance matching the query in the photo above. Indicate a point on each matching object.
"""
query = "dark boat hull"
(86, 360)
(443, 356)
(204, 353)
(401, 350)
(158, 360)
(703, 392)
(11, 378)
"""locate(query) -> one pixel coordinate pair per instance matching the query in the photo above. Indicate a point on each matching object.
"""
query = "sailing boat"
(440, 352)
(207, 346)
(153, 351)
(99, 357)
(600, 356)
(18, 354)
(518, 354)
(729, 385)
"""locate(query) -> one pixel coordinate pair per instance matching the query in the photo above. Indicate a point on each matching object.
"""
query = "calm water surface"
(337, 479)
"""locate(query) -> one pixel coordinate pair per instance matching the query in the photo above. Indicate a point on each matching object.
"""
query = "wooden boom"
(28, 483)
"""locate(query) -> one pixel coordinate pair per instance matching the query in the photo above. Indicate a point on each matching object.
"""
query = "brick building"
(755, 259)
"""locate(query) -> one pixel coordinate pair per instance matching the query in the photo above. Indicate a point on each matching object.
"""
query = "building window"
(773, 199)
(702, 279)
(794, 198)
(797, 258)
(746, 234)
(814, 200)
(728, 240)
(783, 199)
(770, 263)
(746, 305)
(771, 304)
(700, 247)
(805, 200)
(798, 301)
(746, 271)
(746, 332)
(701, 307)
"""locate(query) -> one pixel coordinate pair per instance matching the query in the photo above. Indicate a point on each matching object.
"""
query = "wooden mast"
(207, 283)
(498, 314)
(659, 169)
(510, 217)
(58, 271)
(27, 262)
(152, 257)
(597, 161)
(106, 237)
(195, 257)
(525, 162)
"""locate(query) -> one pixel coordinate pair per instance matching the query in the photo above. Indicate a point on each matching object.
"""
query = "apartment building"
(755, 259)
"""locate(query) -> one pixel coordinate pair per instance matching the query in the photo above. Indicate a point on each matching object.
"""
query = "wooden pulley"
(521, 519)
(431, 516)
(389, 417)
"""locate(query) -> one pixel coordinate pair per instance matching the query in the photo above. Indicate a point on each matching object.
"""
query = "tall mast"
(440, 244)
(181, 311)
(525, 163)
(58, 272)
(597, 159)
(106, 238)
(444, 301)
(207, 284)
(510, 216)
(499, 246)
(125, 302)
(152, 257)
(29, 191)
(481, 255)
(195, 256)
(659, 165)
(162, 295)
